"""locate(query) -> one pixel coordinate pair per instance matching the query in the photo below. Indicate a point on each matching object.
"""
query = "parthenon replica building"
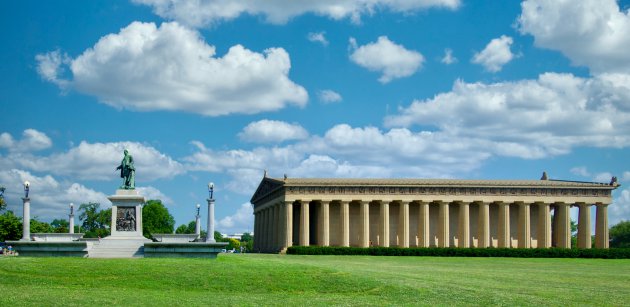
(427, 213)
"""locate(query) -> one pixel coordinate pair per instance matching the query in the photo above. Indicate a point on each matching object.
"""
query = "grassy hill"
(253, 279)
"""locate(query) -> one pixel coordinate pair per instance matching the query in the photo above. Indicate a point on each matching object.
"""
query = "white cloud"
(51, 66)
(603, 177)
(318, 37)
(97, 161)
(329, 96)
(448, 58)
(620, 208)
(272, 131)
(210, 12)
(32, 140)
(239, 222)
(387, 57)
(580, 171)
(149, 68)
(496, 54)
(150, 192)
(50, 199)
(593, 33)
(527, 118)
(625, 176)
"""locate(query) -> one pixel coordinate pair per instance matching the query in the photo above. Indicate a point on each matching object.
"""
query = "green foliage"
(620, 234)
(40, 227)
(60, 225)
(96, 222)
(246, 237)
(156, 219)
(233, 243)
(186, 229)
(218, 237)
(613, 253)
(249, 245)
(10, 227)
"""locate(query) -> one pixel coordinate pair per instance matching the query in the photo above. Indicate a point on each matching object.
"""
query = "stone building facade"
(428, 213)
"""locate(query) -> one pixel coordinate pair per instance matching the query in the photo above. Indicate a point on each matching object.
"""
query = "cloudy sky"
(220, 90)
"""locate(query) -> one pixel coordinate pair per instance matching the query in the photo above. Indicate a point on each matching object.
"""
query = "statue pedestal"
(126, 215)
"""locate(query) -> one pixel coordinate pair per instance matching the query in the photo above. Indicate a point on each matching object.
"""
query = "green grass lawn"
(254, 279)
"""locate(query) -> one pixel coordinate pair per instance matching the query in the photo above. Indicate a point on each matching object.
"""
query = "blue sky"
(220, 91)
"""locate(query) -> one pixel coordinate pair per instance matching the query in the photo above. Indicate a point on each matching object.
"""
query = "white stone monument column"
(210, 230)
(71, 219)
(198, 222)
(26, 214)
(126, 215)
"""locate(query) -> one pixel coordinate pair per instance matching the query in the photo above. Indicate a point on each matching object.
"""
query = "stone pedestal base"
(126, 215)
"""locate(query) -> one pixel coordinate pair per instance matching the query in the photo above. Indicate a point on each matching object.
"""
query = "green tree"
(186, 229)
(233, 243)
(96, 222)
(40, 227)
(620, 234)
(3, 203)
(246, 237)
(218, 237)
(10, 227)
(60, 225)
(156, 219)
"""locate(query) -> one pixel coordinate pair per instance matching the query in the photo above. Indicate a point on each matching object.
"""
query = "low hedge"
(612, 253)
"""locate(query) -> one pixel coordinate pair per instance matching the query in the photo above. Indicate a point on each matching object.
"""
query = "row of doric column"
(275, 228)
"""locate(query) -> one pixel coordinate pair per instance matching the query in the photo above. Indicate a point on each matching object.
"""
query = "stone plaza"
(428, 213)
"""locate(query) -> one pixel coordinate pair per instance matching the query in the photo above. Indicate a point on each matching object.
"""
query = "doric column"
(443, 225)
(288, 212)
(210, 229)
(564, 226)
(364, 216)
(345, 223)
(504, 225)
(544, 225)
(384, 224)
(263, 229)
(280, 226)
(464, 225)
(601, 226)
(304, 225)
(423, 224)
(483, 225)
(524, 232)
(584, 226)
(324, 223)
(403, 224)
(71, 219)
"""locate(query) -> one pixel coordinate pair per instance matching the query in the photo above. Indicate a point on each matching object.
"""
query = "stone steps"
(117, 248)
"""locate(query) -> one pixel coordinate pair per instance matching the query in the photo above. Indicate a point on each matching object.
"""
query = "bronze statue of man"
(127, 172)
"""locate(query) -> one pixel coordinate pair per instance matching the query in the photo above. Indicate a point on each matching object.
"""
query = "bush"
(612, 253)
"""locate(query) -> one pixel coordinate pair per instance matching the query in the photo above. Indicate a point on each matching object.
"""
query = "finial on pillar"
(265, 174)
(544, 176)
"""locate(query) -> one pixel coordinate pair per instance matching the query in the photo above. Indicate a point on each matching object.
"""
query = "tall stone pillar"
(256, 231)
(524, 231)
(304, 224)
(210, 229)
(364, 215)
(277, 238)
(403, 224)
(564, 226)
(26, 219)
(601, 226)
(443, 225)
(483, 225)
(423, 224)
(71, 219)
(324, 224)
(198, 225)
(345, 223)
(544, 225)
(288, 216)
(266, 229)
(584, 226)
(384, 224)
(464, 225)
(504, 225)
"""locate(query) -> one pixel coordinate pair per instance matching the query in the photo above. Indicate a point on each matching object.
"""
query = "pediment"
(266, 186)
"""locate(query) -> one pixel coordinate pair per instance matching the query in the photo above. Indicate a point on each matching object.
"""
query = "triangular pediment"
(266, 186)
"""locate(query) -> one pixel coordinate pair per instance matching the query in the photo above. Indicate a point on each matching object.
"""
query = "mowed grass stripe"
(254, 279)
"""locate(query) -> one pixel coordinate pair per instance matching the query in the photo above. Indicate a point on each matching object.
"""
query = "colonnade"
(425, 223)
